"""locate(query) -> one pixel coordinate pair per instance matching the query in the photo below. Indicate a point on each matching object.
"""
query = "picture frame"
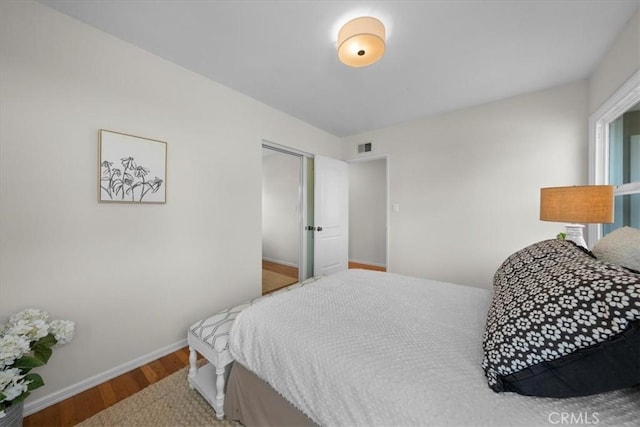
(131, 169)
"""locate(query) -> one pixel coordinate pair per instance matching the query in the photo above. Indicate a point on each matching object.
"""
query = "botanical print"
(132, 169)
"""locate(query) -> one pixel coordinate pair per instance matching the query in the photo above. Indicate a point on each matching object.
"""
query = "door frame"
(303, 201)
(385, 157)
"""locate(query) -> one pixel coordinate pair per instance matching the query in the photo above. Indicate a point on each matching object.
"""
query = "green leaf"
(48, 341)
(20, 398)
(42, 353)
(28, 362)
(35, 381)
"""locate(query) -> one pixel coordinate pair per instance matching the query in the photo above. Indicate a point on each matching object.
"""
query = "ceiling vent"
(364, 148)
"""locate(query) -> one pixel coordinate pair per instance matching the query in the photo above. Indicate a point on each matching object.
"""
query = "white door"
(331, 217)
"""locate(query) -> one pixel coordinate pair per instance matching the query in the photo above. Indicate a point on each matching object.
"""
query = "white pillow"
(621, 247)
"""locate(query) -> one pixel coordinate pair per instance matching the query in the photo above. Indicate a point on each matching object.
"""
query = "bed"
(365, 348)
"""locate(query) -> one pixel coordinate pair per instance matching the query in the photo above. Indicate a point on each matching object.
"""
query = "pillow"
(562, 323)
(621, 246)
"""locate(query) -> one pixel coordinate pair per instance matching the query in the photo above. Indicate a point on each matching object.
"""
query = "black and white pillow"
(562, 323)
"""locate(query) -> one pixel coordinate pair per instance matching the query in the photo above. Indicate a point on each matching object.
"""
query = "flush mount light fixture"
(361, 41)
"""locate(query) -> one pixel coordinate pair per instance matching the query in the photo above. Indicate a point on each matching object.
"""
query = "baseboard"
(53, 398)
(279, 261)
(375, 264)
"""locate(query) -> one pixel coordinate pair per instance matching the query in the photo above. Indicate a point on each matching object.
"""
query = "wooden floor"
(276, 276)
(366, 266)
(82, 406)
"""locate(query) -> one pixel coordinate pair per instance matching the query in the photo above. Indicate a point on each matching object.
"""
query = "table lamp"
(576, 206)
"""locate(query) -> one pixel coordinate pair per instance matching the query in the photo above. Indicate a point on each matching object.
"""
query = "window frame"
(624, 98)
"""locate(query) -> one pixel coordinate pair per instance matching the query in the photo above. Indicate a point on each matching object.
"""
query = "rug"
(169, 402)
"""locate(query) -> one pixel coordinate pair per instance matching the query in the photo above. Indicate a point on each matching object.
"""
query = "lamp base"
(574, 233)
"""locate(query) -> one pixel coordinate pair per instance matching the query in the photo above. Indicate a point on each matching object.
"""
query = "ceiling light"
(361, 41)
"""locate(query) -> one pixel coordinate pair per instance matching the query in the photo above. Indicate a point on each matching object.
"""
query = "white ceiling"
(441, 55)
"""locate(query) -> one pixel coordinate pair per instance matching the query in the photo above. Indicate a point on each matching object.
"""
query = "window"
(624, 168)
(614, 155)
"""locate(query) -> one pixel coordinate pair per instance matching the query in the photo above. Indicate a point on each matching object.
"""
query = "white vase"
(13, 416)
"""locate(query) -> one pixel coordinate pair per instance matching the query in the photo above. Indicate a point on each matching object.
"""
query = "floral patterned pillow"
(562, 323)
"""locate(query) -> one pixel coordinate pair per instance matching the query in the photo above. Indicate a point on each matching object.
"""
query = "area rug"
(169, 402)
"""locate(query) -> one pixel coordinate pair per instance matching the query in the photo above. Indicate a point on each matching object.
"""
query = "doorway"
(287, 245)
(368, 214)
(307, 227)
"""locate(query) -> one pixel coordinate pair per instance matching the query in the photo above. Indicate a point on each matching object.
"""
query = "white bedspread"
(363, 348)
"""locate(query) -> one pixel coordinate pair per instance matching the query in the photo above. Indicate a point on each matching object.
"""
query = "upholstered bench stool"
(210, 338)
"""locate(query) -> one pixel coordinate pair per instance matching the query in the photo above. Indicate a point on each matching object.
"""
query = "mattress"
(363, 348)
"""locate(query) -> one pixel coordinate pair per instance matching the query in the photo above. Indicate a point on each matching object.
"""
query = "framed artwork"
(131, 169)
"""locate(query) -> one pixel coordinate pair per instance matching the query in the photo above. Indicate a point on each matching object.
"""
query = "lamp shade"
(587, 204)
(361, 41)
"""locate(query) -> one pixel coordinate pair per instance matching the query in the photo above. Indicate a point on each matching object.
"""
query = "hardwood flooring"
(366, 266)
(276, 276)
(78, 408)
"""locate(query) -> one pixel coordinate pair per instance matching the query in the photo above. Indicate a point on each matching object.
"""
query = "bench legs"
(193, 368)
(212, 391)
(219, 406)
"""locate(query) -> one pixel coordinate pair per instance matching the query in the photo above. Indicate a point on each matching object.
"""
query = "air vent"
(364, 148)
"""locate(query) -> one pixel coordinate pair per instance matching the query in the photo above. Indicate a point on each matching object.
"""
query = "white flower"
(12, 384)
(533, 359)
(535, 338)
(33, 329)
(583, 341)
(541, 298)
(523, 323)
(520, 344)
(29, 315)
(12, 347)
(551, 332)
(507, 351)
(567, 324)
(567, 301)
(601, 333)
(566, 347)
(536, 316)
(509, 330)
(549, 354)
(584, 317)
(63, 330)
(617, 299)
(600, 308)
(552, 309)
(584, 293)
(601, 285)
(16, 339)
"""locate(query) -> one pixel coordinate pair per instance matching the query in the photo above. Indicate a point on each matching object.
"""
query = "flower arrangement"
(26, 342)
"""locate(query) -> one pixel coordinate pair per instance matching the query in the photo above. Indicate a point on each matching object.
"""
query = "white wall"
(132, 277)
(368, 212)
(620, 62)
(467, 183)
(281, 208)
